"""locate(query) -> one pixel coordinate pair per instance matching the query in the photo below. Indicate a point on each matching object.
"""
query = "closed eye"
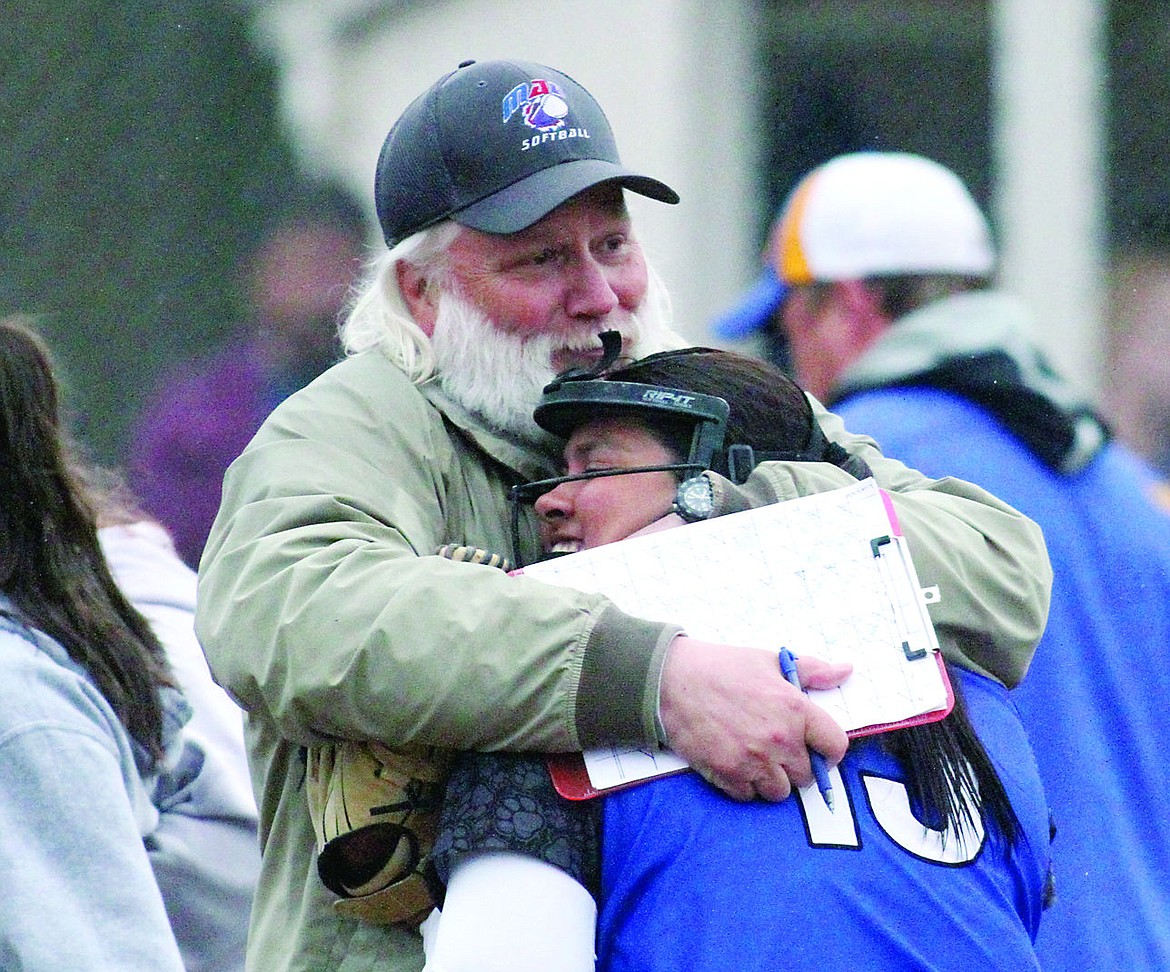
(547, 256)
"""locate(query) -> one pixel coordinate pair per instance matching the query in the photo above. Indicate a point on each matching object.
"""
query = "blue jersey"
(692, 880)
(1096, 700)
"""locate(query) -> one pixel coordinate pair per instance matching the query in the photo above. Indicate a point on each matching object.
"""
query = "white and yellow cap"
(867, 214)
(871, 214)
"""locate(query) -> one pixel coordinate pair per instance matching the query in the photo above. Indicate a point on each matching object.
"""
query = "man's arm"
(729, 711)
(325, 613)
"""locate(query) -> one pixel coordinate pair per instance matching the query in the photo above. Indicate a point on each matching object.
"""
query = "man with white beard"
(323, 607)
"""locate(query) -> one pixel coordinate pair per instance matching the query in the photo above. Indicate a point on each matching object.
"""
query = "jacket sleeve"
(989, 561)
(325, 612)
(79, 891)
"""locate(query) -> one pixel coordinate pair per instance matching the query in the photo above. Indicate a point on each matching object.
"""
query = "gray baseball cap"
(496, 146)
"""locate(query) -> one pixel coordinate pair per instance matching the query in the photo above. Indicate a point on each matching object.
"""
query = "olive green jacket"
(325, 612)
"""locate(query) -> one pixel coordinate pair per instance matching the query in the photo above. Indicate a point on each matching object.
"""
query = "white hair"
(379, 319)
(491, 372)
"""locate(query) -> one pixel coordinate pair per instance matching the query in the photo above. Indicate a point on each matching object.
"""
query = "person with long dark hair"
(937, 848)
(83, 706)
(129, 837)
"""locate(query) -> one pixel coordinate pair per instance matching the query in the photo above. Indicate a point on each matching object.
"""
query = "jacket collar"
(977, 345)
(532, 457)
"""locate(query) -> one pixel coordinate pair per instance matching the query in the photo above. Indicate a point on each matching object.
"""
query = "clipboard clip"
(911, 654)
(875, 545)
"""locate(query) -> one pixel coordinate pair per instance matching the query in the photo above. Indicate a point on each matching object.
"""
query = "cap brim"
(754, 309)
(523, 203)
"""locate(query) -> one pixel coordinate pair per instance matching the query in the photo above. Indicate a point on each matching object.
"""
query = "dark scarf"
(993, 380)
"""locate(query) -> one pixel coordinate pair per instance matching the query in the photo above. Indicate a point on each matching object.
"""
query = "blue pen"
(819, 768)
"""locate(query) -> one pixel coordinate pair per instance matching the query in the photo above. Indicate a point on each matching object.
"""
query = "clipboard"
(827, 575)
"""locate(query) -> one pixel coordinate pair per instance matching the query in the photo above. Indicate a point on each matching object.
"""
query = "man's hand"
(730, 713)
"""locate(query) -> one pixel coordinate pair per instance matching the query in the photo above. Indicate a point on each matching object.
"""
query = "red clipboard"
(816, 551)
(570, 775)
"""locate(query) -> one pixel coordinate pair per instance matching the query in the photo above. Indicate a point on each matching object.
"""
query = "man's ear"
(419, 294)
(864, 310)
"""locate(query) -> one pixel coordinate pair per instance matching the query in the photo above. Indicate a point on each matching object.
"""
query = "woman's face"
(589, 512)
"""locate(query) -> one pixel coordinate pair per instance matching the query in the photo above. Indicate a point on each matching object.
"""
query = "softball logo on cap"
(541, 102)
(543, 106)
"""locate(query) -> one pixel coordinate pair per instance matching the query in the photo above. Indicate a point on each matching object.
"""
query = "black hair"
(312, 201)
(899, 294)
(949, 772)
(768, 411)
(51, 564)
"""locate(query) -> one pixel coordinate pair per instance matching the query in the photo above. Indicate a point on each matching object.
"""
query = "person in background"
(756, 314)
(148, 569)
(203, 412)
(205, 852)
(323, 606)
(196, 817)
(884, 264)
(951, 871)
(89, 716)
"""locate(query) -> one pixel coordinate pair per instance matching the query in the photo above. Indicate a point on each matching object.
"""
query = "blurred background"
(145, 147)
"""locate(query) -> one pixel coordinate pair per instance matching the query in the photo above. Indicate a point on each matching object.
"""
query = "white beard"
(498, 375)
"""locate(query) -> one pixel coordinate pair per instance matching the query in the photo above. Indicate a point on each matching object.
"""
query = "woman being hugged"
(87, 709)
(935, 854)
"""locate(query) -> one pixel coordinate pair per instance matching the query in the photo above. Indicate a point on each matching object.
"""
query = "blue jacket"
(694, 881)
(955, 389)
